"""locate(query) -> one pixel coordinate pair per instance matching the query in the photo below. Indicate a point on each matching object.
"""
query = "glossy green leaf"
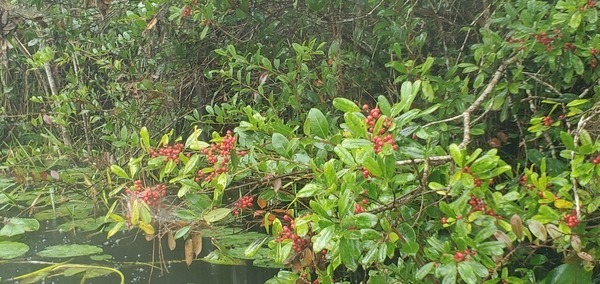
(344, 155)
(466, 273)
(215, 215)
(309, 190)
(345, 105)
(317, 123)
(356, 124)
(457, 154)
(120, 172)
(144, 138)
(424, 270)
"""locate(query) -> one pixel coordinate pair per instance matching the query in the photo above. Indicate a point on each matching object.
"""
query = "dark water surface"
(130, 255)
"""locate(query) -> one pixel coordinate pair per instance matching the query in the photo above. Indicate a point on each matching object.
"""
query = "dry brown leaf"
(585, 256)
(171, 240)
(494, 142)
(197, 243)
(308, 257)
(189, 252)
(277, 185)
(150, 25)
(262, 203)
(502, 136)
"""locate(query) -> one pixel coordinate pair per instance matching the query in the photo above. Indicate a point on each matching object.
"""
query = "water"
(131, 254)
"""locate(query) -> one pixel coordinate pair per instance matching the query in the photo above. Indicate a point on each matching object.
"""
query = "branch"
(466, 115)
(434, 160)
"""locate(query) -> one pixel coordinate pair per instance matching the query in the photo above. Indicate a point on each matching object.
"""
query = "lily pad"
(217, 257)
(17, 226)
(10, 250)
(60, 251)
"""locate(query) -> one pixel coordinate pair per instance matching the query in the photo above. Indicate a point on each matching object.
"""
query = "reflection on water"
(132, 256)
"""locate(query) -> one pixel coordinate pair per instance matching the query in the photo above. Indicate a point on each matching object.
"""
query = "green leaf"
(17, 226)
(479, 269)
(310, 190)
(323, 238)
(145, 138)
(427, 90)
(568, 273)
(567, 140)
(279, 143)
(317, 123)
(577, 64)
(10, 250)
(344, 155)
(252, 249)
(538, 230)
(120, 172)
(575, 20)
(365, 220)
(349, 253)
(371, 164)
(466, 273)
(345, 105)
(61, 251)
(410, 248)
(356, 143)
(191, 164)
(406, 95)
(384, 105)
(356, 124)
(424, 270)
(182, 232)
(215, 215)
(457, 154)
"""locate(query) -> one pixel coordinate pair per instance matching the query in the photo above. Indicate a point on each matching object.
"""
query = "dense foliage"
(376, 141)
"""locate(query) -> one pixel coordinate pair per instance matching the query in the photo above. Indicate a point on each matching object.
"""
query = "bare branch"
(477, 103)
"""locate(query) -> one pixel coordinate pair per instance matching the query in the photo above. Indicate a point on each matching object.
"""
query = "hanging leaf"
(171, 240)
(189, 252)
(197, 243)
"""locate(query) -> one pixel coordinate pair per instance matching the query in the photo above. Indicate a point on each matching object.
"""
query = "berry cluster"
(218, 156)
(378, 139)
(571, 219)
(358, 208)
(569, 46)
(547, 121)
(171, 152)
(187, 11)
(589, 4)
(461, 255)
(243, 203)
(478, 182)
(595, 160)
(366, 173)
(149, 195)
(547, 40)
(478, 204)
(288, 233)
